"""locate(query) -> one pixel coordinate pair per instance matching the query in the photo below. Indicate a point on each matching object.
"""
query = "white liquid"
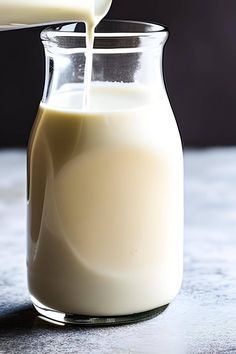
(105, 205)
(88, 69)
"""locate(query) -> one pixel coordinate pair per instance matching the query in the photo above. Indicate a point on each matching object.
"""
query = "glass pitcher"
(105, 179)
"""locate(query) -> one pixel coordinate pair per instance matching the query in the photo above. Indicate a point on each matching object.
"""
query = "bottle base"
(54, 316)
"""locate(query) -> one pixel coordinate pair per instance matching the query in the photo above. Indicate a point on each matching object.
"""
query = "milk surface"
(105, 202)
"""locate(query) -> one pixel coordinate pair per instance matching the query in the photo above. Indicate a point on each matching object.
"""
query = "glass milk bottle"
(105, 179)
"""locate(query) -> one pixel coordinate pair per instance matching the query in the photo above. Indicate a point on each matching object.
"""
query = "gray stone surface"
(202, 319)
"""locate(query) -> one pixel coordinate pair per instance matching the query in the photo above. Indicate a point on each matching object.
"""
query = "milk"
(105, 202)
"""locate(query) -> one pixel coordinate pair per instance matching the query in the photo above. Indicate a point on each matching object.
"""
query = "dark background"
(199, 68)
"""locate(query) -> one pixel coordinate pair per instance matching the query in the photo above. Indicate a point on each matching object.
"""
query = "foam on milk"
(105, 196)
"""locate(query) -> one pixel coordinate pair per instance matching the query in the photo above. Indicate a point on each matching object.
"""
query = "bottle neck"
(117, 57)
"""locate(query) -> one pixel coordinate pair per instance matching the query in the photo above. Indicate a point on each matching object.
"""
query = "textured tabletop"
(202, 319)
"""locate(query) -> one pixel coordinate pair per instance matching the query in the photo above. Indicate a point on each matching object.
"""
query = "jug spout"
(16, 14)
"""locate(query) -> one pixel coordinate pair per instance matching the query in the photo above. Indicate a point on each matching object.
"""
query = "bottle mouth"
(107, 28)
(110, 35)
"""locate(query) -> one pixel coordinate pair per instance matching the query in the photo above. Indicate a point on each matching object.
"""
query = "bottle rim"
(127, 28)
(110, 36)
